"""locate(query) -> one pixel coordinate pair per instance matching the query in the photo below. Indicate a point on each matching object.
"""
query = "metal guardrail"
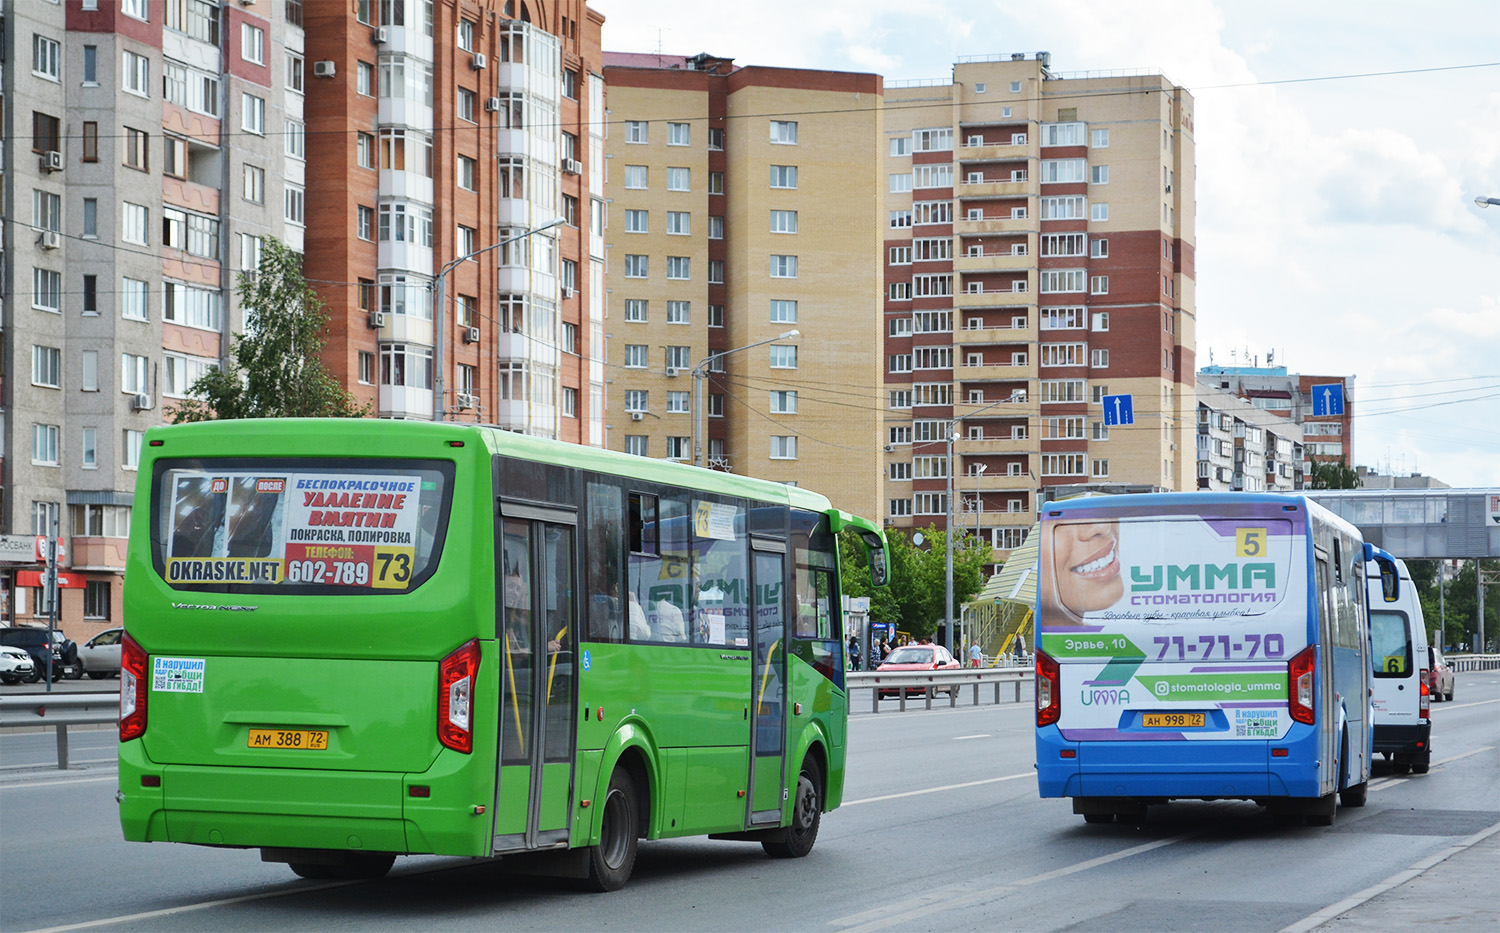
(1463, 663)
(60, 710)
(927, 683)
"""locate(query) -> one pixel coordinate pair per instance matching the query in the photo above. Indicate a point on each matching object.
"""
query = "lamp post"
(1483, 201)
(979, 469)
(439, 406)
(948, 531)
(701, 370)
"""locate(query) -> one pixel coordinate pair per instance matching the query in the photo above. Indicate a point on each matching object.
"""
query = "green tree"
(915, 598)
(277, 369)
(1327, 474)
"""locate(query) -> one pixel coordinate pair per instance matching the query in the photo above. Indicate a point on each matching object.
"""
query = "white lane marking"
(964, 738)
(1438, 707)
(188, 908)
(92, 780)
(1399, 878)
(1383, 783)
(879, 919)
(934, 790)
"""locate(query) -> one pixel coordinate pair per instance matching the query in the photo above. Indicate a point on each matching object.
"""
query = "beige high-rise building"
(1039, 237)
(746, 204)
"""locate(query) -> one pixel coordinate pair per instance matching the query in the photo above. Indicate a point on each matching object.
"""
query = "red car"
(917, 658)
(1439, 675)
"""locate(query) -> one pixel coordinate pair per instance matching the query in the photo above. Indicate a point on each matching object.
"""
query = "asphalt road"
(942, 829)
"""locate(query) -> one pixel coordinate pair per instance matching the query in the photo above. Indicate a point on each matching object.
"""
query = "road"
(942, 829)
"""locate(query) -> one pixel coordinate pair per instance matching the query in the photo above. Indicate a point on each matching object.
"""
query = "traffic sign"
(1118, 409)
(1328, 400)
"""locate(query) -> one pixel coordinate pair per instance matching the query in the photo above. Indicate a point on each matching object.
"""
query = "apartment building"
(1244, 448)
(447, 132)
(744, 244)
(1038, 251)
(148, 148)
(1327, 437)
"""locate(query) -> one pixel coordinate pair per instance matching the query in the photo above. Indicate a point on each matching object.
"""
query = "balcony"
(1027, 409)
(994, 337)
(994, 299)
(405, 185)
(994, 189)
(998, 153)
(997, 445)
(404, 401)
(993, 262)
(965, 227)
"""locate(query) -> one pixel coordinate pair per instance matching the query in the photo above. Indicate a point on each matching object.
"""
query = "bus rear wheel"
(611, 861)
(807, 815)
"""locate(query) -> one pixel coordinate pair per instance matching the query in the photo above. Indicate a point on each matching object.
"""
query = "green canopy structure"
(1003, 609)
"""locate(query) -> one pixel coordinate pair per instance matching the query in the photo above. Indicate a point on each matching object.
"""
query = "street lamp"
(439, 406)
(979, 469)
(1483, 201)
(701, 370)
(953, 436)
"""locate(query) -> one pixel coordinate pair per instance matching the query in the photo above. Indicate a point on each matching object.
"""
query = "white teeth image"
(1098, 564)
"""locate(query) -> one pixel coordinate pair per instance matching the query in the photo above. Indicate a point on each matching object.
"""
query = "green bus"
(353, 639)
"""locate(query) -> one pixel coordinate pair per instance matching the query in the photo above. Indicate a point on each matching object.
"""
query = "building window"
(466, 34)
(364, 149)
(1099, 359)
(900, 182)
(783, 447)
(716, 272)
(252, 44)
(254, 189)
(637, 266)
(678, 134)
(783, 176)
(715, 315)
(783, 357)
(1099, 248)
(295, 204)
(636, 355)
(137, 149)
(294, 72)
(1099, 211)
(133, 299)
(1054, 281)
(635, 310)
(365, 78)
(783, 266)
(715, 139)
(679, 223)
(570, 84)
(637, 445)
(1099, 285)
(90, 141)
(365, 222)
(635, 176)
(44, 445)
(135, 376)
(1100, 138)
(136, 77)
(466, 173)
(783, 402)
(636, 131)
(46, 210)
(90, 452)
(899, 291)
(715, 182)
(678, 357)
(679, 267)
(784, 132)
(366, 368)
(91, 66)
(250, 249)
(90, 217)
(253, 114)
(783, 311)
(1099, 175)
(716, 228)
(46, 57)
(679, 179)
(46, 367)
(679, 312)
(46, 290)
(678, 402)
(466, 104)
(46, 131)
(783, 221)
(637, 400)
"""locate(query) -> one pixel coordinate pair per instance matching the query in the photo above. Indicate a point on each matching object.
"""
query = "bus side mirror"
(1390, 584)
(879, 573)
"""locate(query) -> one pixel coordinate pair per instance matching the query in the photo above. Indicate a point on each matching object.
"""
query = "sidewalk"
(1453, 893)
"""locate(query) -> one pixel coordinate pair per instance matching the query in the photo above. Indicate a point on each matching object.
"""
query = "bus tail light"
(1424, 707)
(455, 721)
(1048, 690)
(1300, 671)
(132, 689)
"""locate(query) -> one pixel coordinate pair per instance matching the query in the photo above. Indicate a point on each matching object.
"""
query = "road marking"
(1464, 705)
(188, 908)
(1399, 878)
(963, 738)
(935, 790)
(879, 918)
(94, 780)
(1383, 783)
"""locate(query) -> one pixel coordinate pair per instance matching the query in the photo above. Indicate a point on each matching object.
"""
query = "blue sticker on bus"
(587, 661)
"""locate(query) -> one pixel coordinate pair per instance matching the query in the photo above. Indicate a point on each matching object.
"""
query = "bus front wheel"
(611, 861)
(807, 814)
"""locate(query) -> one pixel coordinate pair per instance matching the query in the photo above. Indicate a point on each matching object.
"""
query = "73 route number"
(1247, 647)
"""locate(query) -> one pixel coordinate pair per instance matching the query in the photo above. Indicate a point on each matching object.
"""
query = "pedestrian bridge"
(1421, 523)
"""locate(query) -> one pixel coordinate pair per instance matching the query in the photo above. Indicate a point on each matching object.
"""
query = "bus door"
(536, 586)
(768, 686)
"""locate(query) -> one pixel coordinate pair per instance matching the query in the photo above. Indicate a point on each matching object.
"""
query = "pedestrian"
(854, 652)
(975, 655)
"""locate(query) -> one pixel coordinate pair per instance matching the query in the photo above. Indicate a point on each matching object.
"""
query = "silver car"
(100, 655)
(15, 665)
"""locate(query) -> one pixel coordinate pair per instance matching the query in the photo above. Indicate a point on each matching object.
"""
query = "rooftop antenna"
(1270, 358)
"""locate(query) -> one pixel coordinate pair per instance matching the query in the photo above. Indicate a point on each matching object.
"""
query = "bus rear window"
(299, 526)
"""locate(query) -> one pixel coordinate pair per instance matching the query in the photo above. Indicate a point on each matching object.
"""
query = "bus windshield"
(349, 526)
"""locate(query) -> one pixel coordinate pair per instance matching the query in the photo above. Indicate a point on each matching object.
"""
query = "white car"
(100, 656)
(15, 665)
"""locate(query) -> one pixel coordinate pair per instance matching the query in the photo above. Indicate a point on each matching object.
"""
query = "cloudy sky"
(1336, 217)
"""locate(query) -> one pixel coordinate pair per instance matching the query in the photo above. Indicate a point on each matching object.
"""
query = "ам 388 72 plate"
(308, 739)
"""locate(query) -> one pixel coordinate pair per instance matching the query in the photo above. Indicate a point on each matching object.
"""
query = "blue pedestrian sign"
(1118, 410)
(1328, 400)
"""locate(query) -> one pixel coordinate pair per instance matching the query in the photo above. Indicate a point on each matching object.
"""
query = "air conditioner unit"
(380, 36)
(50, 239)
(52, 161)
(479, 61)
(377, 319)
(141, 402)
(464, 401)
(672, 372)
(572, 166)
(491, 104)
(637, 416)
(568, 291)
(471, 335)
(324, 69)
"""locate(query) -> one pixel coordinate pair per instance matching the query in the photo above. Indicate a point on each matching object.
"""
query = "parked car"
(1439, 675)
(100, 655)
(16, 665)
(918, 658)
(39, 643)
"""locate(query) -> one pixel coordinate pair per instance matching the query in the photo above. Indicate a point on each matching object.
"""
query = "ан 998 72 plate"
(1172, 720)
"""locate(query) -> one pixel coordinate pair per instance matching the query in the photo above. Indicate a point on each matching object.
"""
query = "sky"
(1340, 145)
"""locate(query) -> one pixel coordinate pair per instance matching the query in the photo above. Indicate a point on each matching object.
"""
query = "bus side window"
(605, 540)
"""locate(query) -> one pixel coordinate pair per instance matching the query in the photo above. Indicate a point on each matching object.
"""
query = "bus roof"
(1190, 502)
(356, 437)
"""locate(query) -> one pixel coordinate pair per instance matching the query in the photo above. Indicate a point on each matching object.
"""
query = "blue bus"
(1205, 646)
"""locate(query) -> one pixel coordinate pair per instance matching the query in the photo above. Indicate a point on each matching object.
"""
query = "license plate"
(310, 739)
(1172, 720)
